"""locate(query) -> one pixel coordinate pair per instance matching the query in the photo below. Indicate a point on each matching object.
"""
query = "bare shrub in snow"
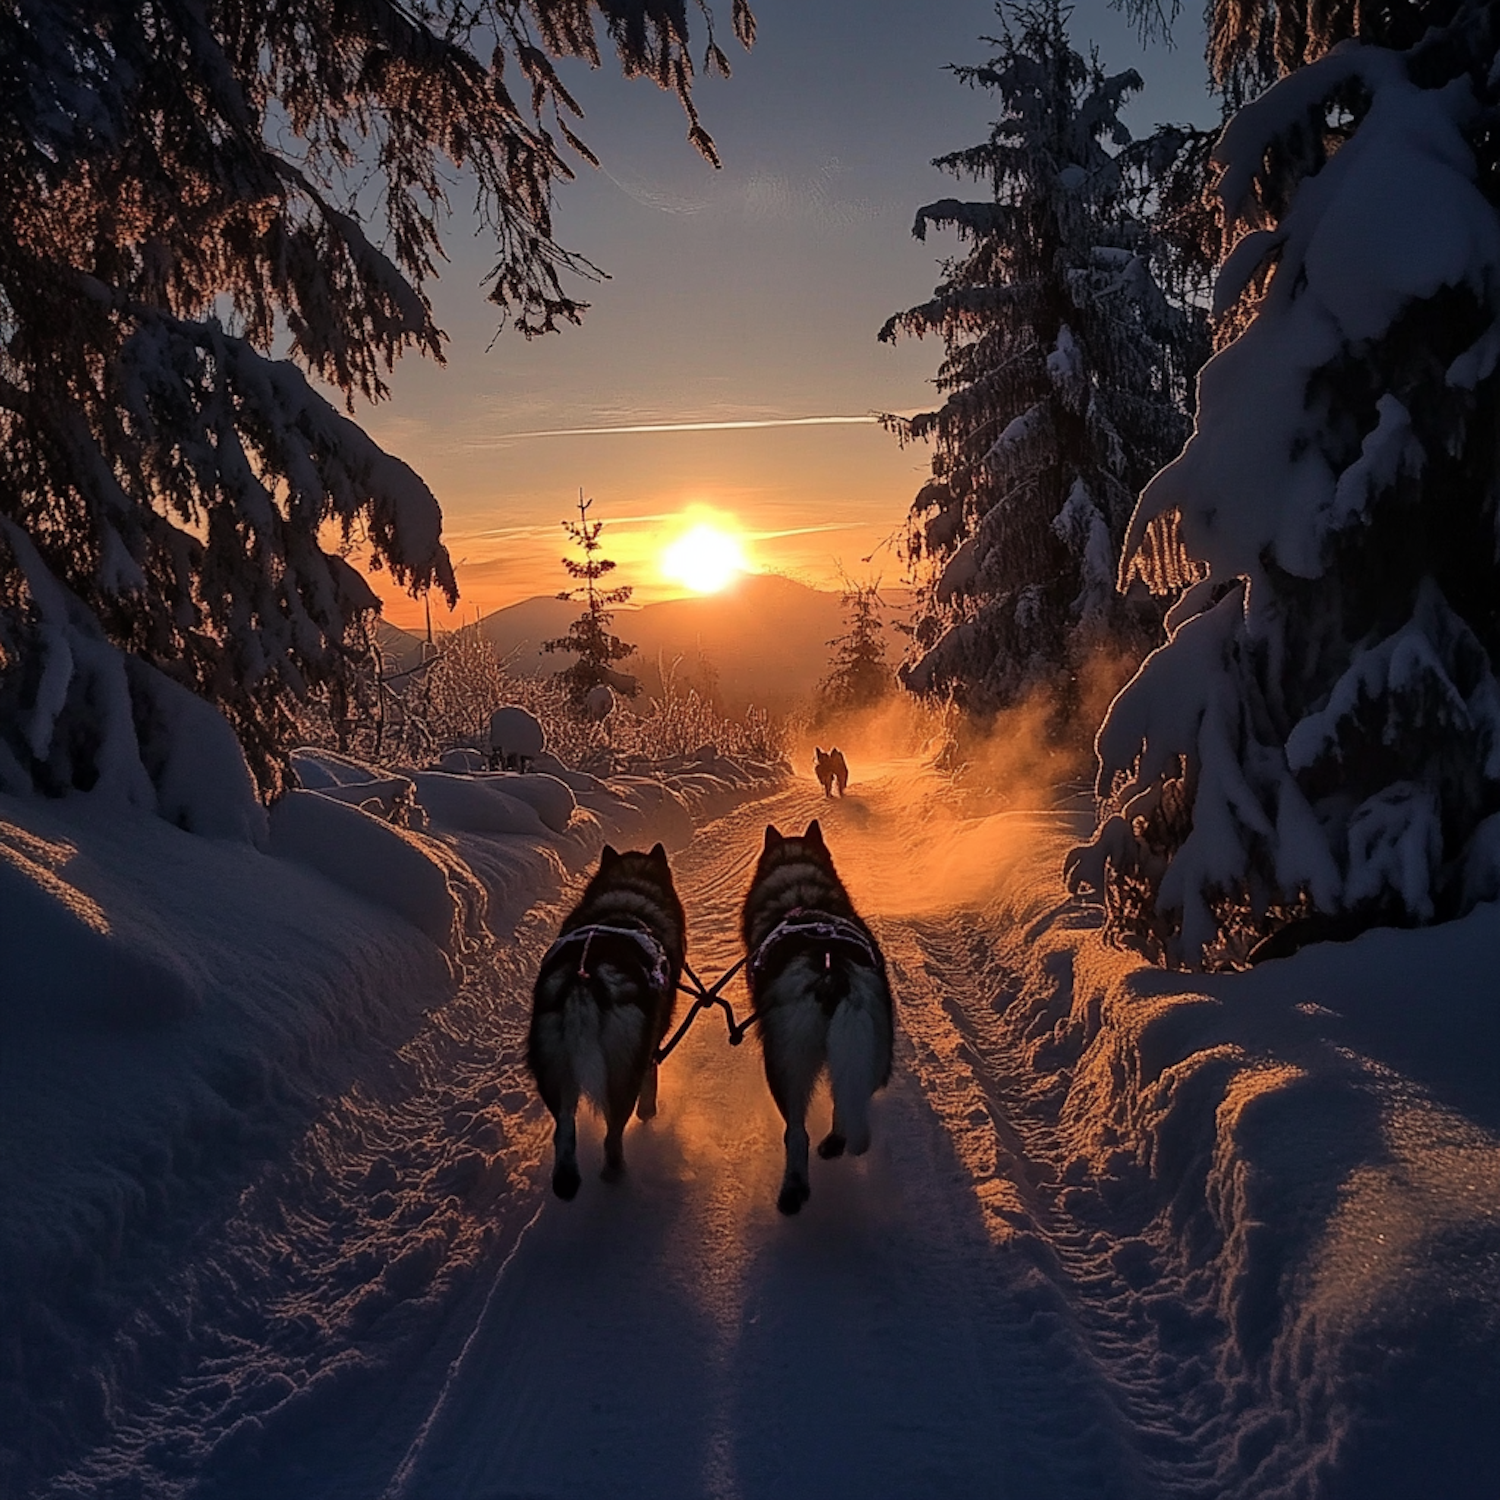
(1065, 376)
(181, 187)
(681, 720)
(1321, 731)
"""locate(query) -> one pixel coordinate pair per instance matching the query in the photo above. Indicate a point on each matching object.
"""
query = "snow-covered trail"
(677, 1337)
(401, 1312)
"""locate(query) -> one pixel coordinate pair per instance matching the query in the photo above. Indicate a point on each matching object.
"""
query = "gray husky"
(602, 1003)
(819, 989)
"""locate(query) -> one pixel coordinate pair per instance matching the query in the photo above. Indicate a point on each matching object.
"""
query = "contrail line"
(507, 437)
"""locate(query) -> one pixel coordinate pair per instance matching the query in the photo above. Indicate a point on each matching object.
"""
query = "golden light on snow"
(704, 558)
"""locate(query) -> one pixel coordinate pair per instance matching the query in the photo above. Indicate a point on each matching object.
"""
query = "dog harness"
(658, 970)
(819, 929)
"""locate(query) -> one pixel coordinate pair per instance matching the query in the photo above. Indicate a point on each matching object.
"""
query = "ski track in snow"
(399, 1311)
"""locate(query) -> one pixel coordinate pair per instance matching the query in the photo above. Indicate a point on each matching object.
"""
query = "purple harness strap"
(815, 926)
(658, 969)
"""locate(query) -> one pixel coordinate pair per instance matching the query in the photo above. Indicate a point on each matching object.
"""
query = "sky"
(749, 296)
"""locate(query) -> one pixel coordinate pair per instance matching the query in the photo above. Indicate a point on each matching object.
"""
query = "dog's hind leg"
(565, 1173)
(794, 1057)
(560, 1095)
(622, 1094)
(645, 1108)
(859, 1050)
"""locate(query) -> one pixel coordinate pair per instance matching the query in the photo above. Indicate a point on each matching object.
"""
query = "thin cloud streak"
(500, 439)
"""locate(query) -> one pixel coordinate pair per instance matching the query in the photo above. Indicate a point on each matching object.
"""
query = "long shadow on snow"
(888, 1348)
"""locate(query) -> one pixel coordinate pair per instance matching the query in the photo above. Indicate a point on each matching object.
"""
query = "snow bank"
(171, 1008)
(176, 1008)
(1299, 1166)
(387, 866)
(550, 798)
(476, 805)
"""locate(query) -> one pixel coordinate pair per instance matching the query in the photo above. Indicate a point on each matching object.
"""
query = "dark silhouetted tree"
(589, 637)
(858, 674)
(1317, 745)
(183, 186)
(1065, 375)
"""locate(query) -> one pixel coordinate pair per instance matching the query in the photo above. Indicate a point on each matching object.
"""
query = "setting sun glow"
(704, 559)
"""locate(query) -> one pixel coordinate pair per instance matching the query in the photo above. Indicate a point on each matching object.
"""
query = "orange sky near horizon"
(750, 294)
(806, 501)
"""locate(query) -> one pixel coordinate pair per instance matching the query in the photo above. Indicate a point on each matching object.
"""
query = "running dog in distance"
(831, 769)
(602, 1003)
(819, 989)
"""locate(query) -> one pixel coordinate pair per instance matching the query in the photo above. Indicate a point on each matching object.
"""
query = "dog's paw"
(831, 1145)
(794, 1193)
(645, 1111)
(613, 1171)
(565, 1181)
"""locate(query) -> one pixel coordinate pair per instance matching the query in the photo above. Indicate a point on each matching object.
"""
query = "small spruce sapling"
(858, 675)
(589, 637)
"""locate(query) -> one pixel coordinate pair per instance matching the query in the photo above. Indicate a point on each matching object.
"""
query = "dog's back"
(603, 1000)
(820, 991)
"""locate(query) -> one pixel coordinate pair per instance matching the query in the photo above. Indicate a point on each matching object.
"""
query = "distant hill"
(400, 647)
(764, 640)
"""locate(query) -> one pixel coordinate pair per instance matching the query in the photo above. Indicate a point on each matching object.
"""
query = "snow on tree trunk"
(1321, 731)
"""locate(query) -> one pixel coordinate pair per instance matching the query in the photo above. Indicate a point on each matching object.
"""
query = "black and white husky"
(820, 994)
(602, 1003)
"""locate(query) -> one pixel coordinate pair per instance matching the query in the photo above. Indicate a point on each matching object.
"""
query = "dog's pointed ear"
(818, 751)
(834, 751)
(608, 856)
(774, 839)
(814, 834)
(659, 856)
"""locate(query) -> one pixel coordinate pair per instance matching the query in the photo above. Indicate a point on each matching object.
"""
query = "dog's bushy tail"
(859, 1056)
(601, 1035)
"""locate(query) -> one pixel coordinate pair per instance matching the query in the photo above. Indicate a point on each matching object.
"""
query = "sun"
(704, 558)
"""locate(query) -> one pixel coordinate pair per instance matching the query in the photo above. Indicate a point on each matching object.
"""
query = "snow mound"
(66, 960)
(476, 805)
(461, 762)
(516, 733)
(551, 798)
(193, 757)
(391, 867)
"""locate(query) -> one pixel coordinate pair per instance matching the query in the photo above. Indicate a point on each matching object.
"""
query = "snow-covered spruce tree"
(1065, 376)
(183, 186)
(1320, 736)
(589, 637)
(858, 675)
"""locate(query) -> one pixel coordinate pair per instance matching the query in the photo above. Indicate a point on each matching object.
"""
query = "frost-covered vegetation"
(1065, 376)
(181, 187)
(1320, 735)
(415, 715)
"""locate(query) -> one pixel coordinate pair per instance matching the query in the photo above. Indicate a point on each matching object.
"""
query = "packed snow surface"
(279, 1206)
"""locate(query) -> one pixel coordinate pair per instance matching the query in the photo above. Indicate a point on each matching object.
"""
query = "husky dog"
(602, 1003)
(819, 989)
(830, 769)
